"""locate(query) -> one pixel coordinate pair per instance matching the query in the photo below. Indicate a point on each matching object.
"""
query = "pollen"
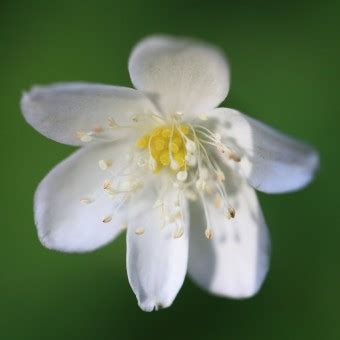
(167, 147)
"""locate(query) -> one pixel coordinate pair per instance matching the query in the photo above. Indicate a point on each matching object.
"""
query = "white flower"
(145, 153)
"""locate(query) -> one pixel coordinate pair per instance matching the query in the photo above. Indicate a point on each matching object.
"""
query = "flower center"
(168, 146)
(188, 152)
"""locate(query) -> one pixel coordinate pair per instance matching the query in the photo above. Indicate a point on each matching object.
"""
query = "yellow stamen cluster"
(166, 145)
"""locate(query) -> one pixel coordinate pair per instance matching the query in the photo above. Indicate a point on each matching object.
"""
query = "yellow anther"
(180, 158)
(156, 131)
(164, 158)
(174, 147)
(184, 129)
(142, 142)
(159, 144)
(166, 133)
(166, 145)
(178, 140)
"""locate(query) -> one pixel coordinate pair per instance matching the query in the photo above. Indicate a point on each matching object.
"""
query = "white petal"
(235, 261)
(180, 74)
(271, 161)
(63, 221)
(60, 111)
(156, 261)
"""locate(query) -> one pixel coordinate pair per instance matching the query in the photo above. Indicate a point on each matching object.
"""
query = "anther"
(178, 215)
(182, 176)
(234, 157)
(111, 123)
(230, 213)
(139, 231)
(86, 201)
(158, 204)
(208, 233)
(107, 219)
(84, 137)
(190, 146)
(191, 159)
(130, 185)
(152, 164)
(174, 165)
(97, 129)
(217, 201)
(220, 176)
(178, 233)
(134, 118)
(104, 164)
(141, 162)
(204, 173)
(226, 151)
(203, 117)
(107, 184)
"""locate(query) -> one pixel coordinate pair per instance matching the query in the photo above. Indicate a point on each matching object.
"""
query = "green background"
(285, 66)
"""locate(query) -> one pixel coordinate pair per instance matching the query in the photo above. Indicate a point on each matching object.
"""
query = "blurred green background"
(285, 66)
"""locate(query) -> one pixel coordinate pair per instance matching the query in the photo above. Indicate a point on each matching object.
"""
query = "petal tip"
(150, 305)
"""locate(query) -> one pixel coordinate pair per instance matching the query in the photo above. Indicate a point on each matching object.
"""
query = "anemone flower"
(162, 162)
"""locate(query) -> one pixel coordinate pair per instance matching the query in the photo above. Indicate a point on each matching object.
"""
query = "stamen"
(203, 117)
(134, 118)
(204, 173)
(107, 184)
(220, 176)
(130, 185)
(139, 231)
(111, 123)
(182, 176)
(141, 162)
(152, 164)
(107, 219)
(178, 232)
(218, 201)
(105, 164)
(86, 200)
(174, 165)
(97, 129)
(208, 233)
(84, 137)
(191, 159)
(229, 153)
(190, 146)
(230, 213)
(158, 203)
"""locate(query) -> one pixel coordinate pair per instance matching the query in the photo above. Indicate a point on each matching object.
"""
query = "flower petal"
(156, 260)
(180, 74)
(61, 111)
(70, 204)
(271, 161)
(235, 261)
